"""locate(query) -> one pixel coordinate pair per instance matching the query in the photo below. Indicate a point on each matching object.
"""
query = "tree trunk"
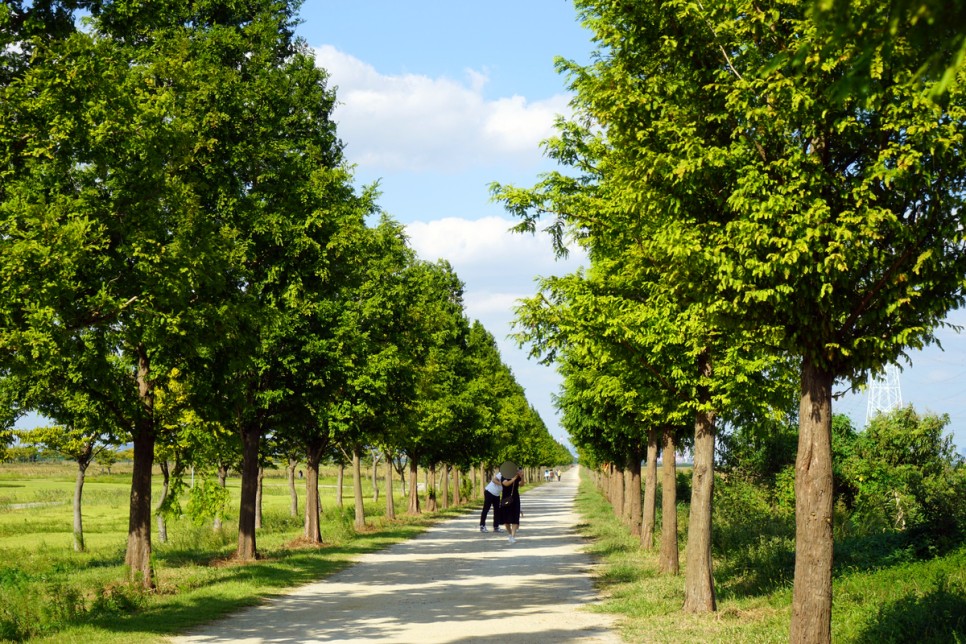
(223, 484)
(251, 439)
(339, 481)
(165, 488)
(357, 489)
(313, 530)
(375, 476)
(138, 556)
(444, 487)
(633, 493)
(413, 489)
(699, 594)
(617, 485)
(431, 489)
(457, 498)
(812, 593)
(258, 497)
(668, 562)
(82, 464)
(390, 501)
(648, 512)
(293, 508)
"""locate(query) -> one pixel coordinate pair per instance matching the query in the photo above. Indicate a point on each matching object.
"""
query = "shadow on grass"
(937, 616)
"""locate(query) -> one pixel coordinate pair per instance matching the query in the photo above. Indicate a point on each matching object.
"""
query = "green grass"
(921, 601)
(49, 593)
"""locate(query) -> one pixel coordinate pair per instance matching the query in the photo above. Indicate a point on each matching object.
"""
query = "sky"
(438, 99)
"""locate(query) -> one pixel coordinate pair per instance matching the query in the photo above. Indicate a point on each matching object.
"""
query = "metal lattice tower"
(884, 393)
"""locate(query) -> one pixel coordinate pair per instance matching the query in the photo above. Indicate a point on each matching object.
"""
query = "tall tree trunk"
(390, 501)
(431, 489)
(293, 494)
(668, 561)
(699, 596)
(258, 497)
(82, 464)
(648, 512)
(223, 484)
(812, 593)
(313, 530)
(633, 493)
(457, 498)
(357, 488)
(444, 485)
(138, 554)
(617, 485)
(251, 440)
(413, 488)
(339, 482)
(159, 511)
(375, 476)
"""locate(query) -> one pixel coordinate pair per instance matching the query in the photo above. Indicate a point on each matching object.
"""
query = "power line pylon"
(884, 393)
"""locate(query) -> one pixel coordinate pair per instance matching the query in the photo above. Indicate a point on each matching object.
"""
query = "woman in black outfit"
(510, 505)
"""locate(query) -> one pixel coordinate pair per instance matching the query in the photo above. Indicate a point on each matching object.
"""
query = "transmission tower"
(884, 393)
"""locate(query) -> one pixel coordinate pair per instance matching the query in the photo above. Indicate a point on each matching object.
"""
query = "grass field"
(49, 593)
(920, 601)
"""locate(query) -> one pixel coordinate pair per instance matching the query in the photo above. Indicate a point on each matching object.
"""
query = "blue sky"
(438, 99)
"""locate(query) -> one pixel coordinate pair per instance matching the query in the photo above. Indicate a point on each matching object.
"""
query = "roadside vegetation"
(900, 552)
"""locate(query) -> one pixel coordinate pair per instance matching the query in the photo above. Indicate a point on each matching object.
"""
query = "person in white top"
(491, 498)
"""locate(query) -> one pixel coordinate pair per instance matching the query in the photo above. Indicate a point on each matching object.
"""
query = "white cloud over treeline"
(414, 122)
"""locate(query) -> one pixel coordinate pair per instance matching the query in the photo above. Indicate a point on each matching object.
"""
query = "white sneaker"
(482, 528)
(511, 540)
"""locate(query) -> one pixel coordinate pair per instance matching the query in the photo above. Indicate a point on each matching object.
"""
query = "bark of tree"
(165, 488)
(313, 529)
(668, 561)
(457, 499)
(812, 593)
(360, 509)
(699, 595)
(444, 485)
(138, 554)
(375, 476)
(633, 493)
(82, 464)
(648, 512)
(223, 484)
(293, 508)
(618, 486)
(258, 497)
(431, 489)
(390, 501)
(339, 481)
(251, 436)
(413, 489)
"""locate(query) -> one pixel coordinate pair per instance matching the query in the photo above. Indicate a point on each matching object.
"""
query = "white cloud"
(414, 122)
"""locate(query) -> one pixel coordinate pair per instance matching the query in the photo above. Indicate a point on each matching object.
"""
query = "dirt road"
(450, 584)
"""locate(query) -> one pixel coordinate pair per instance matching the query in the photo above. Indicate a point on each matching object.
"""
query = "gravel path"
(450, 584)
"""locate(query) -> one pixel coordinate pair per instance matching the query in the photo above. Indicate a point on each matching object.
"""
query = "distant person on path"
(491, 498)
(510, 505)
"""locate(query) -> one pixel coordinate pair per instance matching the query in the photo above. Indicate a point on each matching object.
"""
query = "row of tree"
(187, 267)
(763, 219)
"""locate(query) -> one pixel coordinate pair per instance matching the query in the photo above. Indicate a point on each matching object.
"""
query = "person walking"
(491, 498)
(510, 504)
